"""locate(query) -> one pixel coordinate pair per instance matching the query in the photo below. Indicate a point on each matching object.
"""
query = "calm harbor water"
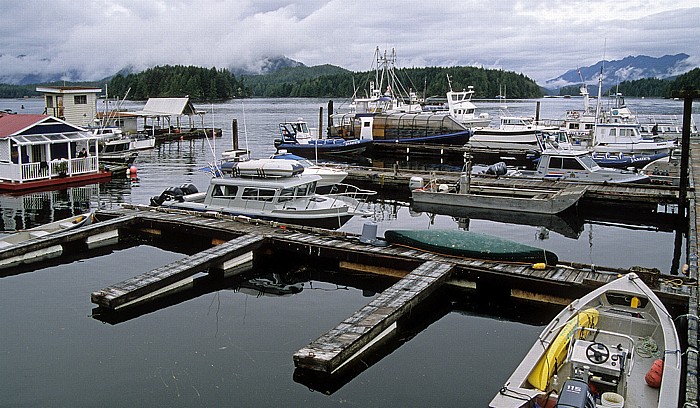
(233, 347)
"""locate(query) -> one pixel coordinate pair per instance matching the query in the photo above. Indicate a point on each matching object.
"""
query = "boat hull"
(470, 245)
(325, 148)
(500, 198)
(325, 219)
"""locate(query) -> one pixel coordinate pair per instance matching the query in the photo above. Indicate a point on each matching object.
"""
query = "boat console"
(601, 365)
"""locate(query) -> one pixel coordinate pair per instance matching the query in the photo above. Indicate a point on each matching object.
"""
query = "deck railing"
(47, 170)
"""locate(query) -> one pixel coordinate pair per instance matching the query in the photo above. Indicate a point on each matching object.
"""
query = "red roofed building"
(40, 151)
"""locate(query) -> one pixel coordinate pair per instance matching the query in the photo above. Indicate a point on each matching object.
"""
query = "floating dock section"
(150, 284)
(374, 322)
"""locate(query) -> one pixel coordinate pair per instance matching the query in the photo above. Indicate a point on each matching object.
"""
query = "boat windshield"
(588, 162)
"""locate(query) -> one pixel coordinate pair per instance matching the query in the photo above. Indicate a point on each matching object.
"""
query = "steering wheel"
(597, 353)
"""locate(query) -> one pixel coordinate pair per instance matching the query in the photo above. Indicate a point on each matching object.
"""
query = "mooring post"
(537, 112)
(688, 97)
(320, 123)
(330, 112)
(234, 128)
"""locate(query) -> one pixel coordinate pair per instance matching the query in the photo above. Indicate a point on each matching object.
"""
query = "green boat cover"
(470, 245)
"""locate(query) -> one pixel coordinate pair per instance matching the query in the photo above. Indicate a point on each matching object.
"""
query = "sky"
(540, 38)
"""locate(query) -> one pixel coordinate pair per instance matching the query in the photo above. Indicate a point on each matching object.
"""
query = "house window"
(80, 99)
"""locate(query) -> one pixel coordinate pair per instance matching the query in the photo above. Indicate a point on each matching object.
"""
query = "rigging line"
(245, 128)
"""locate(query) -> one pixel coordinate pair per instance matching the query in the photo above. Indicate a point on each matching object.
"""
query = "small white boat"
(616, 346)
(142, 141)
(541, 201)
(46, 229)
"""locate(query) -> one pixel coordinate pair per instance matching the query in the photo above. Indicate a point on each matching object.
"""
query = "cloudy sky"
(539, 38)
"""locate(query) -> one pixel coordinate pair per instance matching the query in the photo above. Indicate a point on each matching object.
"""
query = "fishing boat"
(46, 229)
(616, 346)
(534, 200)
(272, 193)
(459, 105)
(470, 245)
(578, 166)
(392, 115)
(141, 141)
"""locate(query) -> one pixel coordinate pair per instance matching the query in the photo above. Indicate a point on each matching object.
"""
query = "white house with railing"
(44, 148)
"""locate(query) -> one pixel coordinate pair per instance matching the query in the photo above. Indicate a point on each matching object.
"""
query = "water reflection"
(33, 209)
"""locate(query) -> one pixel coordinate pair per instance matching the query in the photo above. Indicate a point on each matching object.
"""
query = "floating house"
(74, 104)
(41, 152)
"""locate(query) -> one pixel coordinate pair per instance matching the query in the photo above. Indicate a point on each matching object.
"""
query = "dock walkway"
(373, 322)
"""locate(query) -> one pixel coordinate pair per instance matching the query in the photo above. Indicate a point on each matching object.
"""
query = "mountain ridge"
(629, 68)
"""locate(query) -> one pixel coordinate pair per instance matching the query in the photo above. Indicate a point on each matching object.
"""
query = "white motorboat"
(117, 150)
(541, 201)
(578, 166)
(282, 194)
(626, 138)
(616, 346)
(141, 141)
(513, 129)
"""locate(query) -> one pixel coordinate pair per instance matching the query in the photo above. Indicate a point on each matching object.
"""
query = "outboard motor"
(575, 393)
(171, 193)
(188, 189)
(498, 169)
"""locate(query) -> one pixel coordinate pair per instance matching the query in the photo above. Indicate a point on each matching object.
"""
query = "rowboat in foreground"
(542, 201)
(615, 347)
(46, 229)
(470, 245)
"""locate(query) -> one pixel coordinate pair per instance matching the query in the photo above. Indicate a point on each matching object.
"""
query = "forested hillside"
(426, 82)
(178, 81)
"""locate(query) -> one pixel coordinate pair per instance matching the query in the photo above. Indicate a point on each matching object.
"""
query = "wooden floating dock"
(215, 259)
(373, 322)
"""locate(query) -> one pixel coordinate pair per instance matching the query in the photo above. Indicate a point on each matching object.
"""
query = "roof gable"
(169, 106)
(32, 124)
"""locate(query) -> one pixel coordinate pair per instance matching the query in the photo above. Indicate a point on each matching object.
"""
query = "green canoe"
(470, 245)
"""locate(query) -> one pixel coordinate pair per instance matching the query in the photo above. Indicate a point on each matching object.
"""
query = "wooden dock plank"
(355, 334)
(127, 291)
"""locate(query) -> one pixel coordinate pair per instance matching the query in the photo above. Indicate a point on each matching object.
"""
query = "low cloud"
(541, 39)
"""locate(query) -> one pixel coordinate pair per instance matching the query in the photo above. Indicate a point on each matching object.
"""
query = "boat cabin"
(44, 148)
(297, 131)
(257, 193)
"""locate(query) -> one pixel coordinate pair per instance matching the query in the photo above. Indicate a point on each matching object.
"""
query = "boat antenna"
(213, 166)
